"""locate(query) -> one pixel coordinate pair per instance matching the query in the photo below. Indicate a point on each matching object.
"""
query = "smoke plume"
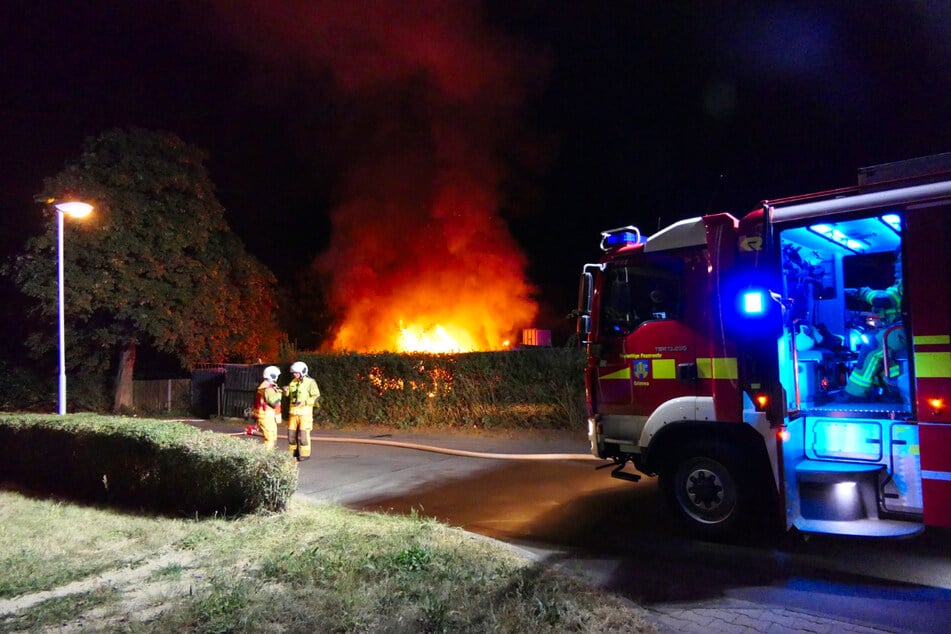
(424, 98)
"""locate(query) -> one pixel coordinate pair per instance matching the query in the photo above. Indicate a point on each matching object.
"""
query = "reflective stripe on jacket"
(886, 303)
(303, 393)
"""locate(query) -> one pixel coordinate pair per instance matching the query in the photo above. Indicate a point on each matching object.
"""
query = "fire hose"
(445, 450)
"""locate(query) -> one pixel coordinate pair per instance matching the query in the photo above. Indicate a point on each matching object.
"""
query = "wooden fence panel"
(162, 395)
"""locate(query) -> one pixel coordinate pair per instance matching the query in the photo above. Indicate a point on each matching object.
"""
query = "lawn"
(314, 568)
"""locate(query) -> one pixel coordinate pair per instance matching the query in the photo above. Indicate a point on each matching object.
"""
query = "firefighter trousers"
(267, 425)
(298, 435)
(870, 365)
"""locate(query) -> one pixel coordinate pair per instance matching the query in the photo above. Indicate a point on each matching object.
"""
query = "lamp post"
(76, 210)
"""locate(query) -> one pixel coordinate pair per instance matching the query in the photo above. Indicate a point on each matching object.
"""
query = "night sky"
(576, 116)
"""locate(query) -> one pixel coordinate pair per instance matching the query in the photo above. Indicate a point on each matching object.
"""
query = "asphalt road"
(617, 535)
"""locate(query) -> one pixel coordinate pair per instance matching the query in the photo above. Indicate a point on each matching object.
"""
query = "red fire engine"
(797, 360)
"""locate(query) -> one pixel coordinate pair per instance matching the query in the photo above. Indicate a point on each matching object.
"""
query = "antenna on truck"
(716, 190)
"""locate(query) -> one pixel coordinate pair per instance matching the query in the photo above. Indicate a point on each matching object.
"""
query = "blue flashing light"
(620, 237)
(753, 302)
(750, 309)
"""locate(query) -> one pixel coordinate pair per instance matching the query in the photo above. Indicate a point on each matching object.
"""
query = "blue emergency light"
(750, 308)
(753, 302)
(620, 237)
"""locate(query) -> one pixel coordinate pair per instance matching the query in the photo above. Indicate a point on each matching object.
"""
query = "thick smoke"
(425, 96)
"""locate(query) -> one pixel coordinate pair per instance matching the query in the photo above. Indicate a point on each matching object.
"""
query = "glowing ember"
(435, 381)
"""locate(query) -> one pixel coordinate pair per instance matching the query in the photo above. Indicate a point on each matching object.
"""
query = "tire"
(708, 490)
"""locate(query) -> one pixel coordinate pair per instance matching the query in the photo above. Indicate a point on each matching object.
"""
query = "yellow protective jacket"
(303, 394)
(267, 399)
(886, 303)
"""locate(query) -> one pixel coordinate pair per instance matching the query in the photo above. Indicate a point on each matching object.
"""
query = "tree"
(156, 264)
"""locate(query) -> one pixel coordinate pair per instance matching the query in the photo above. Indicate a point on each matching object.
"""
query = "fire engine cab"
(794, 363)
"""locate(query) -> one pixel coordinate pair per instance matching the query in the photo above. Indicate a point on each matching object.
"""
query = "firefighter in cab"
(303, 395)
(886, 307)
(267, 406)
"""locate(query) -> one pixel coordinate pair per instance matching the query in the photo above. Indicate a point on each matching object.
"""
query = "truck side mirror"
(584, 327)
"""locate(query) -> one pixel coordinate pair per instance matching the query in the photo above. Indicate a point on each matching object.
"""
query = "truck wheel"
(706, 488)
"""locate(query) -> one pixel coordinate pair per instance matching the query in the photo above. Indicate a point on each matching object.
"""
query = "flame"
(442, 322)
(415, 338)
(456, 285)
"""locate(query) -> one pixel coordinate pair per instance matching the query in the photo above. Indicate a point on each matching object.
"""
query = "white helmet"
(299, 366)
(271, 373)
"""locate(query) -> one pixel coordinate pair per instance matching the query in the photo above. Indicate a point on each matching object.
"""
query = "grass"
(313, 568)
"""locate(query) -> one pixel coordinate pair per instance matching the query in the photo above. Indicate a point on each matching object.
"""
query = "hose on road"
(419, 447)
(447, 450)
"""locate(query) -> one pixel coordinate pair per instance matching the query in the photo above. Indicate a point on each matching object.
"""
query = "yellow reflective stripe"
(856, 378)
(717, 368)
(933, 365)
(705, 368)
(664, 369)
(620, 374)
(931, 340)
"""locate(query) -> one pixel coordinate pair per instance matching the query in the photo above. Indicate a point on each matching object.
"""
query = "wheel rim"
(706, 491)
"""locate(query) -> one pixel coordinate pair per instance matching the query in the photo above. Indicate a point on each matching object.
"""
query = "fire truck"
(792, 364)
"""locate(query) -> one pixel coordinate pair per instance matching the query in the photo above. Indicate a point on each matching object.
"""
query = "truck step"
(859, 527)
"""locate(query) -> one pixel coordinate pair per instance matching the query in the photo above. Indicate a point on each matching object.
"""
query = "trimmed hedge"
(519, 389)
(158, 466)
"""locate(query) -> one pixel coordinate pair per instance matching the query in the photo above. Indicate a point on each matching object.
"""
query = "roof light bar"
(620, 237)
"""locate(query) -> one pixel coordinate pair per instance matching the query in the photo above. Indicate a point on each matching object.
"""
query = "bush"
(161, 466)
(530, 388)
(540, 388)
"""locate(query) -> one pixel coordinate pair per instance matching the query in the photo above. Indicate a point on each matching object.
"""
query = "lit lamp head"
(74, 208)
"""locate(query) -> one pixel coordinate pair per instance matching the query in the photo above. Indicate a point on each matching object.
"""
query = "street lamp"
(76, 210)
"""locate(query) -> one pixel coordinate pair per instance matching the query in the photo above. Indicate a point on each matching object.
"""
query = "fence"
(163, 395)
(225, 389)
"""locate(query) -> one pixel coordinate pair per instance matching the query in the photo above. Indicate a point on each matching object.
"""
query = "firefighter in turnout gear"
(303, 395)
(267, 406)
(886, 304)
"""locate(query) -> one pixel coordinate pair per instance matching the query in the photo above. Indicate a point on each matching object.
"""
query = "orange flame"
(457, 285)
(437, 339)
